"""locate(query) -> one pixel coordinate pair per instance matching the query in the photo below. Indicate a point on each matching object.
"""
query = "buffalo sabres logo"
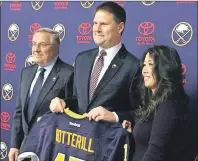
(29, 61)
(28, 156)
(36, 5)
(148, 2)
(7, 91)
(182, 34)
(4, 150)
(60, 29)
(87, 4)
(13, 32)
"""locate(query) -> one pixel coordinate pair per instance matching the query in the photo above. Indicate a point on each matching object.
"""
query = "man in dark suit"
(104, 76)
(39, 84)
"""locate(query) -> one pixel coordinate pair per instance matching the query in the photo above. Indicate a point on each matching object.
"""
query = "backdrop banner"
(148, 23)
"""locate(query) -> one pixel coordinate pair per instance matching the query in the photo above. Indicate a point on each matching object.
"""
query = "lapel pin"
(38, 119)
(54, 79)
(114, 66)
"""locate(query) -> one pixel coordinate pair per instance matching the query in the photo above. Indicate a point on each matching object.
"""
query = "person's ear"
(121, 27)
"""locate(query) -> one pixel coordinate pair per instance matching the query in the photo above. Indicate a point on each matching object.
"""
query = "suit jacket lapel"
(88, 63)
(27, 84)
(49, 83)
(26, 88)
(113, 68)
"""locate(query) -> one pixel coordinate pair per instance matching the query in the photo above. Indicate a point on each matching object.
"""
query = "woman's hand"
(127, 125)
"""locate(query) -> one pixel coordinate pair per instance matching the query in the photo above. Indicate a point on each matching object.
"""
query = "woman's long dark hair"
(168, 70)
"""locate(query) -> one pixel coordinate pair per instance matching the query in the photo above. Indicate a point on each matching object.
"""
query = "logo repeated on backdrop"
(186, 2)
(59, 5)
(86, 4)
(33, 28)
(182, 33)
(84, 30)
(61, 30)
(15, 6)
(5, 117)
(121, 3)
(29, 61)
(7, 91)
(10, 62)
(37, 5)
(148, 2)
(184, 72)
(146, 30)
(4, 150)
(13, 32)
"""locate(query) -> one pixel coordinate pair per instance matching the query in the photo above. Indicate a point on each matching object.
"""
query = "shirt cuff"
(116, 116)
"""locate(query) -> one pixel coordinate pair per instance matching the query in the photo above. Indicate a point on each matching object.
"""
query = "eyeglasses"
(40, 45)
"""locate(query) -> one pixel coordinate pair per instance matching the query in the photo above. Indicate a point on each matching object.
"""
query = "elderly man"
(50, 77)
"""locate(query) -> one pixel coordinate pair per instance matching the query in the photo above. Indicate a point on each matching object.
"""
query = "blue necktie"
(35, 93)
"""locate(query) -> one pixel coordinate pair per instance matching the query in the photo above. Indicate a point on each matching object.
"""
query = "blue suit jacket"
(113, 91)
(59, 83)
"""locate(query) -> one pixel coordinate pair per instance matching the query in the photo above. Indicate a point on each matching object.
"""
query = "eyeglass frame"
(40, 45)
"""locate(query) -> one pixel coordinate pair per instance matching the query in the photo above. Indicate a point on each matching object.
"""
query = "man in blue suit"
(104, 76)
(50, 77)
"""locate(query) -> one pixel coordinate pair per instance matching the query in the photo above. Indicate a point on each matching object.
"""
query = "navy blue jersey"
(72, 137)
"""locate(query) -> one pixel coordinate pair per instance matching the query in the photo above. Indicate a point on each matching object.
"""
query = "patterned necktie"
(96, 73)
(35, 93)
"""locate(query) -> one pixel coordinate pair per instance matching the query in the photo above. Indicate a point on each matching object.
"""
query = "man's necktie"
(96, 73)
(35, 93)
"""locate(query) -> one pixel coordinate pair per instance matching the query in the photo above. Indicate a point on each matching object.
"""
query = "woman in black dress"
(159, 131)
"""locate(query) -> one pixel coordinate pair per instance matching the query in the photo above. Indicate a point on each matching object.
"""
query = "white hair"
(54, 35)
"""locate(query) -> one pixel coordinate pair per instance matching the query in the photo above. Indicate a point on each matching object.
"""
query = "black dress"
(162, 138)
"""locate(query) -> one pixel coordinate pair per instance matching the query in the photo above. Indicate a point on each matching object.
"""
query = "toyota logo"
(146, 28)
(10, 57)
(34, 27)
(5, 116)
(85, 28)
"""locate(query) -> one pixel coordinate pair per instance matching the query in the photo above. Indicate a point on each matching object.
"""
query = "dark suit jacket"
(59, 83)
(112, 91)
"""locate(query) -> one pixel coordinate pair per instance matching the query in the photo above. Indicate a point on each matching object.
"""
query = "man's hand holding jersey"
(13, 154)
(97, 114)
(100, 113)
(57, 105)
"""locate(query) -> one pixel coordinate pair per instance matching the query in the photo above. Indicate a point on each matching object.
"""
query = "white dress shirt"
(111, 53)
(48, 69)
